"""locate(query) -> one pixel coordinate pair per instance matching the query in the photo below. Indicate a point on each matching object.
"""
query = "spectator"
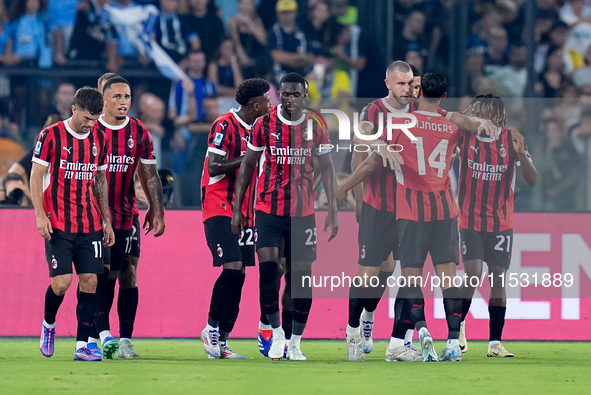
(557, 36)
(64, 98)
(440, 18)
(173, 36)
(208, 26)
(249, 37)
(16, 192)
(348, 60)
(186, 107)
(477, 80)
(575, 11)
(153, 114)
(288, 45)
(90, 35)
(414, 58)
(62, 15)
(578, 41)
(122, 51)
(497, 47)
(510, 80)
(7, 56)
(413, 36)
(561, 170)
(29, 27)
(318, 30)
(344, 13)
(224, 70)
(546, 19)
(552, 77)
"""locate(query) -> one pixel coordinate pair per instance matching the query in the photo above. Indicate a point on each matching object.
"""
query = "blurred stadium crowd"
(48, 48)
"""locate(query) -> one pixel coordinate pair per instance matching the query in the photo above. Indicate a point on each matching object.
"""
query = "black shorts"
(117, 256)
(438, 238)
(227, 247)
(85, 250)
(378, 236)
(493, 248)
(298, 234)
(136, 237)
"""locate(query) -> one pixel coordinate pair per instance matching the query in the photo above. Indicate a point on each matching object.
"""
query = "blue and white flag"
(138, 23)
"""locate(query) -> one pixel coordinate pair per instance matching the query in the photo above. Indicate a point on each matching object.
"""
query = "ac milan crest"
(220, 251)
(130, 143)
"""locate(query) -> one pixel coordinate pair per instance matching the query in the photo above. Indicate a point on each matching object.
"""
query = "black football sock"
(233, 304)
(497, 322)
(356, 304)
(219, 297)
(105, 293)
(287, 322)
(85, 310)
(52, 305)
(415, 304)
(269, 292)
(302, 304)
(127, 303)
(402, 319)
(466, 303)
(376, 293)
(263, 317)
(93, 332)
(452, 303)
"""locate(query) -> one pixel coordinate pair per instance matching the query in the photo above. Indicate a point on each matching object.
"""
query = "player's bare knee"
(87, 282)
(300, 266)
(365, 272)
(388, 265)
(268, 254)
(60, 284)
(128, 278)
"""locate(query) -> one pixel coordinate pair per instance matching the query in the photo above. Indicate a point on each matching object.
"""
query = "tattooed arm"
(101, 194)
(152, 187)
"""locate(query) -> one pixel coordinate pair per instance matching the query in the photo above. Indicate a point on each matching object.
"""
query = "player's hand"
(340, 193)
(108, 235)
(391, 159)
(44, 227)
(237, 223)
(331, 220)
(487, 128)
(517, 142)
(154, 222)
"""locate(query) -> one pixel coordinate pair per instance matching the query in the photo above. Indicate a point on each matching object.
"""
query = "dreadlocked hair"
(495, 106)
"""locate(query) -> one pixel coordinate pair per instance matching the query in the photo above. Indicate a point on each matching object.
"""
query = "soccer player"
(377, 234)
(486, 198)
(427, 213)
(69, 191)
(129, 145)
(285, 203)
(227, 145)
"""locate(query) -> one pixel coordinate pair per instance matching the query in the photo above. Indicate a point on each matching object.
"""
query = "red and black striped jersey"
(424, 191)
(286, 170)
(487, 182)
(227, 137)
(128, 145)
(380, 187)
(73, 160)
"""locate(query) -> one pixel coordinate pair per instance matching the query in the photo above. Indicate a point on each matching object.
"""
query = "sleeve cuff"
(103, 167)
(216, 151)
(40, 161)
(148, 161)
(448, 115)
(252, 147)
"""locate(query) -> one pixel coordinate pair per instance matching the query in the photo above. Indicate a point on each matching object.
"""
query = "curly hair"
(89, 99)
(251, 88)
(495, 106)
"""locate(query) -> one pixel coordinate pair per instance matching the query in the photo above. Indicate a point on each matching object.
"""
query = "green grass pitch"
(181, 367)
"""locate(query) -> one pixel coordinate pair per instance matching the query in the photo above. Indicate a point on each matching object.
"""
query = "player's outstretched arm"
(360, 174)
(389, 158)
(242, 181)
(528, 170)
(479, 126)
(218, 164)
(329, 181)
(152, 187)
(101, 194)
(358, 190)
(43, 224)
